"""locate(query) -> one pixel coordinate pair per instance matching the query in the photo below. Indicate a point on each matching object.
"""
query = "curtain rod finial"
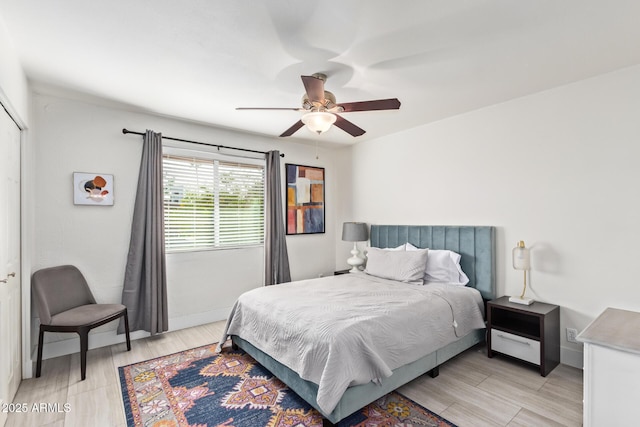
(125, 131)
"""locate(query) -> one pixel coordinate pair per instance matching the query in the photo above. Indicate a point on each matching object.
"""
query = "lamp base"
(355, 261)
(523, 301)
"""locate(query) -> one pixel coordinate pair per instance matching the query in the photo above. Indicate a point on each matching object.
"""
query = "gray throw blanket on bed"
(350, 329)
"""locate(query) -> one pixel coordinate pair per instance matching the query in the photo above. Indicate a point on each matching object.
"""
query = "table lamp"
(355, 232)
(521, 261)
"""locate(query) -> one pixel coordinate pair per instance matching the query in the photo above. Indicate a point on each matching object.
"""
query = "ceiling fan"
(322, 110)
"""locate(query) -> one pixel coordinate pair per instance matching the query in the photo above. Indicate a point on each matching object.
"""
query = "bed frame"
(475, 244)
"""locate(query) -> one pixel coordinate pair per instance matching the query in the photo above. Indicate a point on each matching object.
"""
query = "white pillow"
(399, 248)
(443, 266)
(397, 265)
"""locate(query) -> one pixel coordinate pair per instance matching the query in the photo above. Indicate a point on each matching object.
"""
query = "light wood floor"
(471, 390)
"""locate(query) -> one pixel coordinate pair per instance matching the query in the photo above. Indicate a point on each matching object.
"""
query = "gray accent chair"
(65, 304)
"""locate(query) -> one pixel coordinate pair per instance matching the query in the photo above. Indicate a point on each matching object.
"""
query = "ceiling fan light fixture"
(318, 121)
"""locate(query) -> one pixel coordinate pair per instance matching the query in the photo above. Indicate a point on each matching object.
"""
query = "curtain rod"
(126, 131)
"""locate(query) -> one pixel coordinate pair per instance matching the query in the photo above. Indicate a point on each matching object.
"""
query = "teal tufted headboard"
(475, 244)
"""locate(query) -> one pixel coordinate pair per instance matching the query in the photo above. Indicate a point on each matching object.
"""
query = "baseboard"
(103, 339)
(197, 319)
(571, 357)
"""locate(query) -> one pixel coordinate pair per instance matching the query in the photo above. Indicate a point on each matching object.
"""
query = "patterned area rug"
(200, 388)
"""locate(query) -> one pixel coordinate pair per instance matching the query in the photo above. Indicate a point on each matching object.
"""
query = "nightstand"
(336, 273)
(530, 333)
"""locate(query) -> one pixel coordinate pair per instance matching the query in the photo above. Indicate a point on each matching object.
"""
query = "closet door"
(10, 318)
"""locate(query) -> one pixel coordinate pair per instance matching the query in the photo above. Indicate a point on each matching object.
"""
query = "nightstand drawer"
(516, 346)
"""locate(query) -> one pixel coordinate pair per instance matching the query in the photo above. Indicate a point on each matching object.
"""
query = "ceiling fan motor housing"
(327, 103)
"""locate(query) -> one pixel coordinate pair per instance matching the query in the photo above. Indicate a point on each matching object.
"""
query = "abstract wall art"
(92, 189)
(305, 199)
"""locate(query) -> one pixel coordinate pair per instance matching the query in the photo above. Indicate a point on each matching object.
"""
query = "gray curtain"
(275, 247)
(145, 280)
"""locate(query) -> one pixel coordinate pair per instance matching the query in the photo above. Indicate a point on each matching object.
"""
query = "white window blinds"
(212, 203)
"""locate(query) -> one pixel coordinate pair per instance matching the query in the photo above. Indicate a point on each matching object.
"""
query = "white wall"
(75, 136)
(558, 170)
(13, 82)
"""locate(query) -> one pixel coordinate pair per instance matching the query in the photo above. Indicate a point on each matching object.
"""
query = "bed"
(309, 371)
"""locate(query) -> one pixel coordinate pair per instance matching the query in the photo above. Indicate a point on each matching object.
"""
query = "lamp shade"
(521, 257)
(319, 121)
(354, 232)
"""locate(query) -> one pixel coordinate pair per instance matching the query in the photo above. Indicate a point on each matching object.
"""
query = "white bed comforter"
(350, 329)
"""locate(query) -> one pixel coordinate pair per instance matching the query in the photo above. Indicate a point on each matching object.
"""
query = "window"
(211, 201)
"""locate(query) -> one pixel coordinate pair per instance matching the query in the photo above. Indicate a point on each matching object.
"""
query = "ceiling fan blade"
(348, 127)
(378, 104)
(293, 129)
(269, 108)
(314, 87)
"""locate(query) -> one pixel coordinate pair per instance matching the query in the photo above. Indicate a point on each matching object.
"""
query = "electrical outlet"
(572, 334)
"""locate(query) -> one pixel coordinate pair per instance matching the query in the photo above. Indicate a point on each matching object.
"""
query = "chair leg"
(84, 346)
(126, 329)
(39, 362)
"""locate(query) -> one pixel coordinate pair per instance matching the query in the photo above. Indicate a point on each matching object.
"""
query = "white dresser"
(612, 369)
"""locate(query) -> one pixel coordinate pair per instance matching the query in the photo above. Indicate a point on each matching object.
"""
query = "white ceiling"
(199, 59)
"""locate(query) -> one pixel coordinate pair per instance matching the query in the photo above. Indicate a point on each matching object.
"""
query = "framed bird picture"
(95, 189)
